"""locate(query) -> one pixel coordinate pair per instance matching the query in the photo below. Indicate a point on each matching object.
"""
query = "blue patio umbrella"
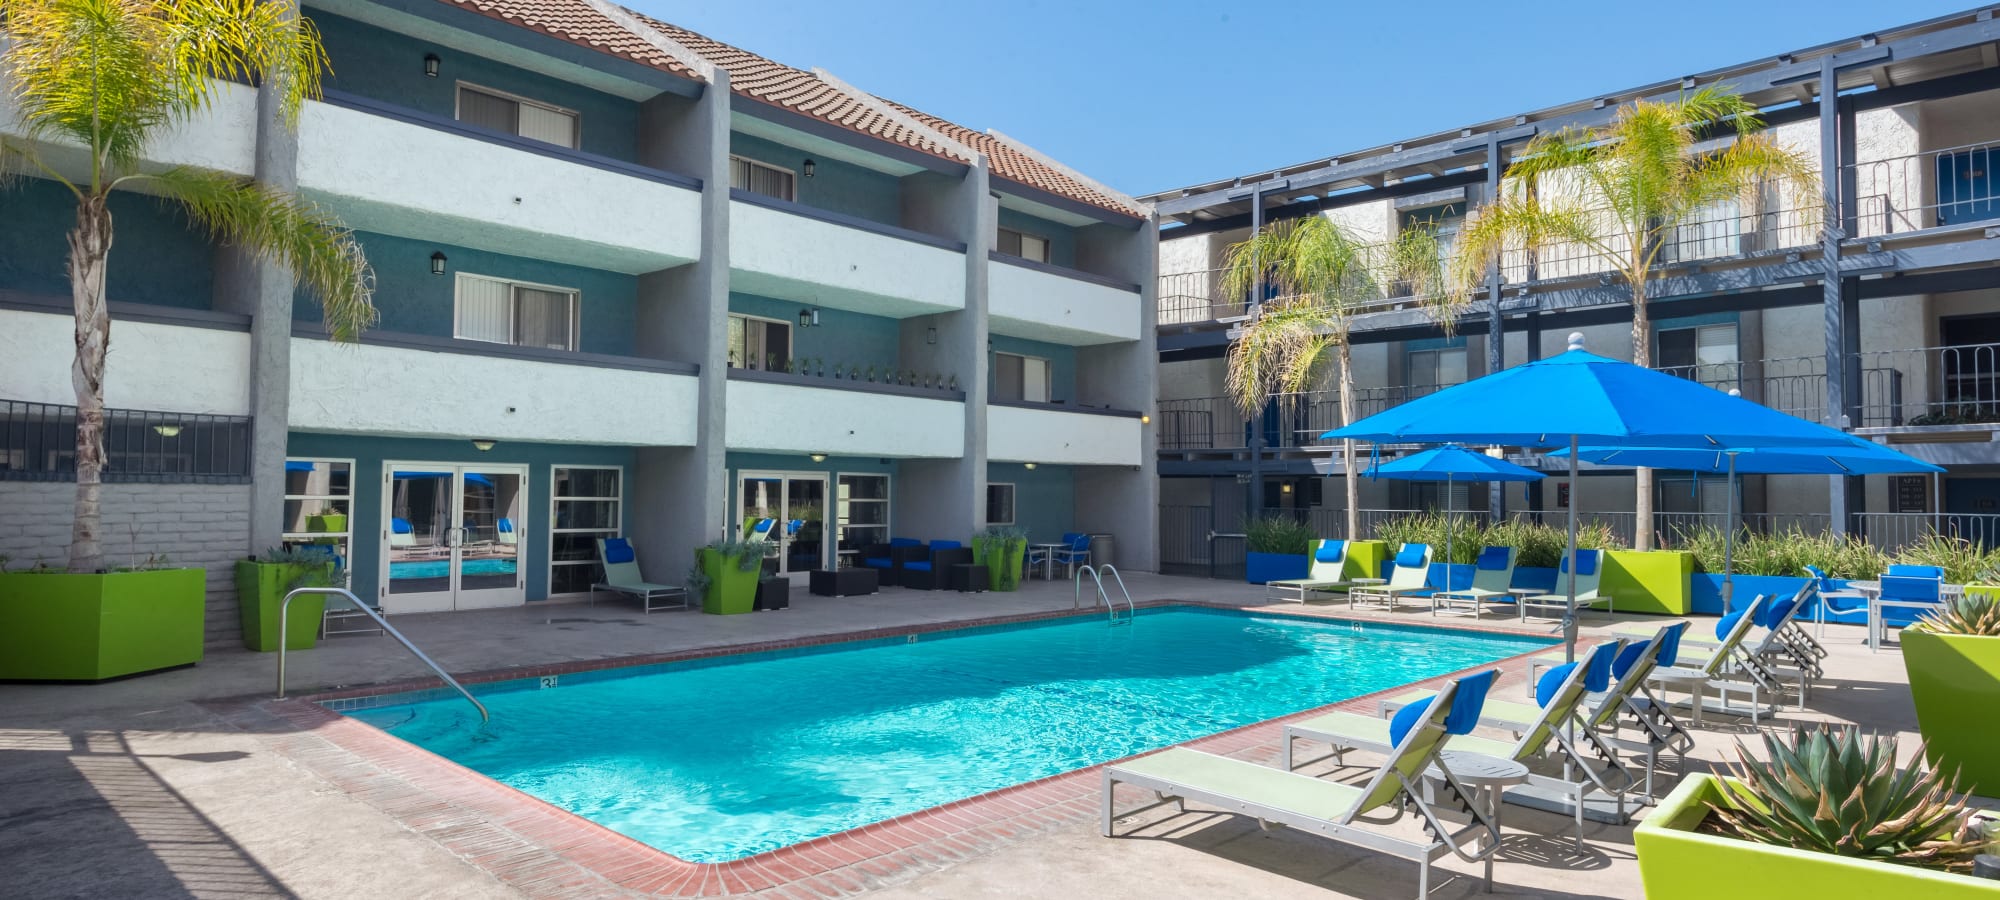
(1445, 464)
(1581, 399)
(1851, 456)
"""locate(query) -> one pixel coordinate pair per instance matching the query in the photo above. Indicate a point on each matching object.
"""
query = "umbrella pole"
(1569, 619)
(1729, 545)
(1450, 517)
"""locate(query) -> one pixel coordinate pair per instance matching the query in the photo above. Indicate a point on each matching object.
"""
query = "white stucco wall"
(791, 257)
(1046, 436)
(1026, 303)
(169, 368)
(222, 138)
(785, 418)
(361, 389)
(1368, 222)
(384, 175)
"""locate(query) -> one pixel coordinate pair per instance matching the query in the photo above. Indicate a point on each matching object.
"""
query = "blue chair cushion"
(401, 526)
(945, 545)
(1586, 563)
(1670, 648)
(905, 542)
(1916, 571)
(921, 566)
(1770, 614)
(1597, 668)
(1411, 556)
(1492, 559)
(616, 550)
(1406, 719)
(878, 562)
(1330, 551)
(1727, 623)
(505, 525)
(1468, 700)
(1627, 657)
(1552, 681)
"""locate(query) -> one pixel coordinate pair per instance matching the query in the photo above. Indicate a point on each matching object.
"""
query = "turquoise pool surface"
(439, 568)
(714, 760)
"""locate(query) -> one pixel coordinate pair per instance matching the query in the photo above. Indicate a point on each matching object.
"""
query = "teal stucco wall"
(157, 256)
(1044, 498)
(1062, 238)
(1062, 362)
(842, 338)
(835, 186)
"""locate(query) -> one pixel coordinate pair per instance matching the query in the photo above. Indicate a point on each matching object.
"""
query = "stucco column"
(1124, 501)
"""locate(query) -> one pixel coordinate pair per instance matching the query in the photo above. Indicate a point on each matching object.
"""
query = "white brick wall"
(204, 525)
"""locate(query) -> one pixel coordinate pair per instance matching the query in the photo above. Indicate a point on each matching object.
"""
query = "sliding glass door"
(795, 505)
(453, 537)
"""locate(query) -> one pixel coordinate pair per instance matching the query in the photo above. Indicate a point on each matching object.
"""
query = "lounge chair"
(1326, 808)
(1492, 575)
(1409, 576)
(887, 559)
(505, 533)
(1329, 562)
(1699, 675)
(621, 576)
(1771, 658)
(1589, 572)
(1560, 693)
(929, 573)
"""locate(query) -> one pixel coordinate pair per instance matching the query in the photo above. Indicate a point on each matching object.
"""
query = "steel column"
(1832, 218)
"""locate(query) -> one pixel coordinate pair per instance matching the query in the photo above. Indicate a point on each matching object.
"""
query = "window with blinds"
(504, 312)
(1020, 378)
(509, 114)
(1023, 245)
(1705, 353)
(762, 179)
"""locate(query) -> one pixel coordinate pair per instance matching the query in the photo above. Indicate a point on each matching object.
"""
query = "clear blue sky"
(1151, 96)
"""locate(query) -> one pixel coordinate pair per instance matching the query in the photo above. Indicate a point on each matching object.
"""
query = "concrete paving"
(135, 789)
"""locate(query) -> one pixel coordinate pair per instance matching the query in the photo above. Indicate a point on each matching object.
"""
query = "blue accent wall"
(842, 338)
(1044, 498)
(369, 453)
(835, 186)
(1061, 357)
(157, 256)
(389, 67)
(413, 301)
(1062, 238)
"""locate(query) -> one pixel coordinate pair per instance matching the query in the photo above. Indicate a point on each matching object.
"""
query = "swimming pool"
(716, 759)
(439, 568)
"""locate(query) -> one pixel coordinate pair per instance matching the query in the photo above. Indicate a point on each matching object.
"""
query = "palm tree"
(1615, 194)
(1321, 276)
(104, 77)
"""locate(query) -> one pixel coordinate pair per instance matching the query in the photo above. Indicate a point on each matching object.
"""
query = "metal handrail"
(284, 609)
(1076, 602)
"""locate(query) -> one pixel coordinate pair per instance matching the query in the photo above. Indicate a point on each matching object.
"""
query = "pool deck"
(191, 783)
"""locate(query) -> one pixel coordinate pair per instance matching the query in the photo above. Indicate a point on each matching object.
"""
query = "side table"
(1486, 775)
(967, 578)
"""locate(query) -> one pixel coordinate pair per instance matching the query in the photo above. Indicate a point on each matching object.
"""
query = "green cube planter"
(62, 627)
(1676, 863)
(261, 589)
(1003, 569)
(1654, 581)
(1365, 559)
(731, 590)
(1955, 680)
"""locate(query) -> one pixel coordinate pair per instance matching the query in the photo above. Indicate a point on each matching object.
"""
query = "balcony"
(397, 171)
(1042, 302)
(222, 138)
(175, 360)
(790, 251)
(1941, 188)
(419, 386)
(1061, 434)
(779, 412)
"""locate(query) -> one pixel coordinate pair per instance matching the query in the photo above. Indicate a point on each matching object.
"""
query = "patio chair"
(1772, 658)
(1827, 608)
(504, 532)
(1328, 809)
(929, 573)
(1906, 593)
(1329, 562)
(887, 559)
(1700, 674)
(621, 576)
(1492, 575)
(1077, 552)
(1409, 576)
(1589, 573)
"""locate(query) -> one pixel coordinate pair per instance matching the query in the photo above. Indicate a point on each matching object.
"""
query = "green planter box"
(261, 589)
(93, 627)
(1365, 559)
(1677, 863)
(1955, 680)
(1004, 572)
(1655, 581)
(731, 590)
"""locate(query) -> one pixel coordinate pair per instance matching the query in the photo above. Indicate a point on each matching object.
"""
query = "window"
(1020, 378)
(756, 343)
(319, 500)
(1432, 369)
(761, 178)
(508, 114)
(1705, 353)
(586, 507)
(506, 312)
(1000, 504)
(864, 510)
(1024, 245)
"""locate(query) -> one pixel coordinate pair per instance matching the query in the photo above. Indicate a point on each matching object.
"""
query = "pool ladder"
(284, 609)
(1102, 596)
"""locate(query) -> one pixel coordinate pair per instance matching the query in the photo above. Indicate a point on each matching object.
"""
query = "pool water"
(716, 760)
(439, 568)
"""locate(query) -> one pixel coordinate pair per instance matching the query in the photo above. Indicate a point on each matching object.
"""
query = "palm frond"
(1280, 350)
(88, 71)
(321, 252)
(214, 41)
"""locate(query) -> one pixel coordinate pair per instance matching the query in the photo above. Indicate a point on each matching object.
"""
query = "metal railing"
(1947, 186)
(1955, 385)
(38, 443)
(1894, 531)
(1097, 574)
(284, 610)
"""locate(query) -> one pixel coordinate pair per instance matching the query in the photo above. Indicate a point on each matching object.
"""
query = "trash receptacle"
(1103, 548)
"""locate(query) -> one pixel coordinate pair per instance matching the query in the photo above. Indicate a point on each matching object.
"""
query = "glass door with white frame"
(795, 504)
(454, 536)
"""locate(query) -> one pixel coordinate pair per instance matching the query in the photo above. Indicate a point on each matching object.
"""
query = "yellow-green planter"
(1655, 581)
(731, 590)
(63, 627)
(1677, 863)
(1955, 680)
(1365, 559)
(260, 590)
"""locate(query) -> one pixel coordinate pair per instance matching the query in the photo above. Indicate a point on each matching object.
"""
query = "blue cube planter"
(1535, 577)
(1707, 591)
(1259, 568)
(1459, 573)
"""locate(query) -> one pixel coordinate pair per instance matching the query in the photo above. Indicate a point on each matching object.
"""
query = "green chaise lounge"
(1329, 562)
(1492, 575)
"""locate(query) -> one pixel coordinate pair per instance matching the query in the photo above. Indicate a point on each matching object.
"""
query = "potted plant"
(1953, 660)
(726, 573)
(57, 625)
(1276, 549)
(1829, 815)
(261, 585)
(1002, 550)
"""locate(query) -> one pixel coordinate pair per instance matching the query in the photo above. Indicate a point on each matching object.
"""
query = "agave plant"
(1969, 614)
(1838, 791)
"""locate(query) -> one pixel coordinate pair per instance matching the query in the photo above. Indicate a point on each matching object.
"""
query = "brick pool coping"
(545, 851)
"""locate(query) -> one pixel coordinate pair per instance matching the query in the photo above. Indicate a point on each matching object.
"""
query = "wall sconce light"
(482, 444)
(431, 65)
(1029, 466)
(819, 457)
(930, 335)
(1285, 488)
(167, 430)
(809, 318)
(1145, 420)
(810, 167)
(437, 263)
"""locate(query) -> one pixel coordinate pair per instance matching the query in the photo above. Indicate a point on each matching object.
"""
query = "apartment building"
(1899, 301)
(633, 281)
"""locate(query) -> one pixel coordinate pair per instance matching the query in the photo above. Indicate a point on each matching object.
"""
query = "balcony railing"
(38, 443)
(1956, 385)
(1949, 186)
(1287, 420)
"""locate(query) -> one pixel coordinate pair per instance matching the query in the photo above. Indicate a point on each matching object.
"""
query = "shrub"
(1279, 534)
(1461, 533)
(1541, 546)
(1961, 560)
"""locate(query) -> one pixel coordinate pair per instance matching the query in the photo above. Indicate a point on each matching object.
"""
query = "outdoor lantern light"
(930, 335)
(431, 65)
(1285, 488)
(810, 167)
(167, 430)
(1145, 420)
(1030, 466)
(819, 457)
(482, 444)
(809, 317)
(437, 263)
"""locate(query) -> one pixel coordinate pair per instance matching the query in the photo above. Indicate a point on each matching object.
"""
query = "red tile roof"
(577, 22)
(1014, 165)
